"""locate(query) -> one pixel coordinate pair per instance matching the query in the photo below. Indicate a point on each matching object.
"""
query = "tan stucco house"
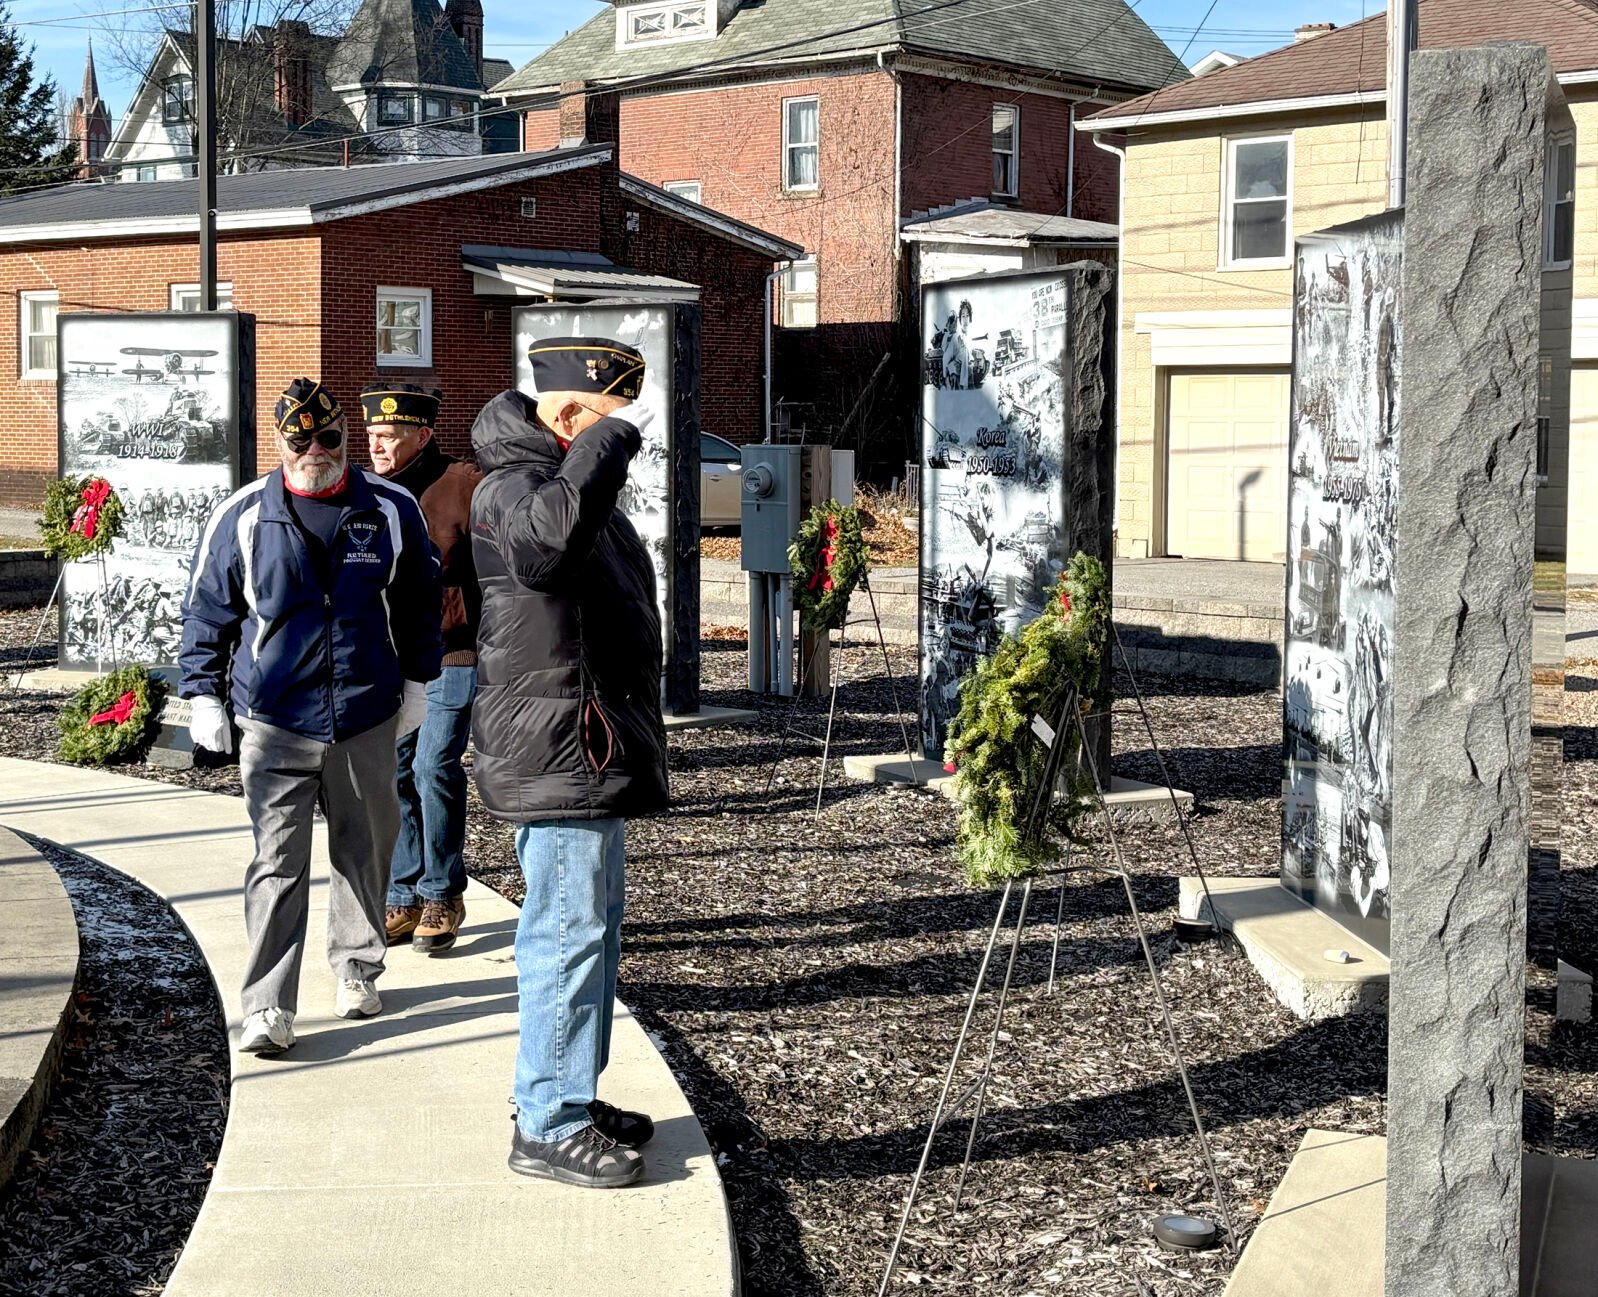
(1221, 173)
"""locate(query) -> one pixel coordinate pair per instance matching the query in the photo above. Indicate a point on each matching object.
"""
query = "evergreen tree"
(32, 151)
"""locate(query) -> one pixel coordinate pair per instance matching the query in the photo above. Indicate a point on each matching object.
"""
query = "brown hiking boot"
(400, 921)
(441, 920)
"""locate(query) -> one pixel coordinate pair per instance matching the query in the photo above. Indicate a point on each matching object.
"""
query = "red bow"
(87, 518)
(119, 713)
(1065, 603)
(823, 572)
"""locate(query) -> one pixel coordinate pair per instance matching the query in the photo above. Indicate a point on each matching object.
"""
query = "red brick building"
(832, 124)
(335, 264)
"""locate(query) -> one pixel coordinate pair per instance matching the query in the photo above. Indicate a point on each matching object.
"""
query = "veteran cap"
(305, 407)
(402, 403)
(598, 365)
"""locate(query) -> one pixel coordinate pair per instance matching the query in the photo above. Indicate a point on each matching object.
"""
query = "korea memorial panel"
(1342, 537)
(646, 501)
(151, 403)
(993, 439)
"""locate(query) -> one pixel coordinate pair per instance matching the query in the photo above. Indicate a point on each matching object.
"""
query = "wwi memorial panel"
(993, 448)
(1342, 517)
(159, 405)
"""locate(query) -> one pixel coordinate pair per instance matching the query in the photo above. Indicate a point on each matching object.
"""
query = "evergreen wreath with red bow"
(111, 719)
(828, 561)
(82, 517)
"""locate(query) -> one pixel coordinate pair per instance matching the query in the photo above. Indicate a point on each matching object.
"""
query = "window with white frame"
(177, 99)
(799, 295)
(801, 143)
(145, 173)
(1006, 149)
(186, 297)
(1255, 204)
(1559, 218)
(37, 333)
(405, 326)
(689, 20)
(689, 189)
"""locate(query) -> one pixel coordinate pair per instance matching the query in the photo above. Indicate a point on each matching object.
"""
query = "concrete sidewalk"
(370, 1160)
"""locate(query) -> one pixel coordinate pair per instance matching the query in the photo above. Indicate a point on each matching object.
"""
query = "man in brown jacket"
(427, 878)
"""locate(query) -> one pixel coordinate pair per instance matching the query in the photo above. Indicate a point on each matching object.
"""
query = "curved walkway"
(37, 974)
(370, 1159)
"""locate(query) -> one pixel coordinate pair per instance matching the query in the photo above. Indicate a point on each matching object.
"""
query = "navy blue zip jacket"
(320, 654)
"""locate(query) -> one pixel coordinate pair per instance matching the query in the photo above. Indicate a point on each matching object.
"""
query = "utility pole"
(205, 128)
(1403, 35)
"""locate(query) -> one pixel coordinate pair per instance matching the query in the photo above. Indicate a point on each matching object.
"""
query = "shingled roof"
(402, 41)
(1099, 42)
(1353, 60)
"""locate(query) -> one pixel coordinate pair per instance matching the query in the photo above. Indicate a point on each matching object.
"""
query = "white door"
(1582, 535)
(1227, 467)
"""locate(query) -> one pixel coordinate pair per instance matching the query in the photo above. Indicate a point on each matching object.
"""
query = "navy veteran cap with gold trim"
(601, 366)
(402, 403)
(307, 406)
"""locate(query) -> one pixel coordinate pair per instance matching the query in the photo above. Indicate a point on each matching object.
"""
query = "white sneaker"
(268, 1031)
(356, 999)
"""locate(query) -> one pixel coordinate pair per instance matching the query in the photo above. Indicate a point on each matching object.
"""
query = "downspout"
(1120, 333)
(1070, 163)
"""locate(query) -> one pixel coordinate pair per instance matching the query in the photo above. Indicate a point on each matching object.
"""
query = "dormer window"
(659, 24)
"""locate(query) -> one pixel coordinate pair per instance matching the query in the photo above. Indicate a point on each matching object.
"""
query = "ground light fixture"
(1185, 1233)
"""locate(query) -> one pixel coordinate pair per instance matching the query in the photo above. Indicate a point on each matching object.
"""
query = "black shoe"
(588, 1159)
(629, 1129)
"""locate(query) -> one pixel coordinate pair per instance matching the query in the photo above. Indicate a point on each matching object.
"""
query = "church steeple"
(89, 121)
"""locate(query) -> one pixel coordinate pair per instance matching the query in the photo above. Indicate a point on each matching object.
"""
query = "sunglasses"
(329, 438)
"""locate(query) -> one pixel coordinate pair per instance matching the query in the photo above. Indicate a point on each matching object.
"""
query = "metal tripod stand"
(792, 730)
(1057, 741)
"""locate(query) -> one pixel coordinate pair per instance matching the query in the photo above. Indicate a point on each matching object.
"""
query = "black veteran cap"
(598, 365)
(402, 403)
(307, 406)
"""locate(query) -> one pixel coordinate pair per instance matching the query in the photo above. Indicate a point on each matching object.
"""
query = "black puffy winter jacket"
(567, 721)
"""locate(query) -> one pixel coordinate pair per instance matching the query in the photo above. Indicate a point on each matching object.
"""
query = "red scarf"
(87, 518)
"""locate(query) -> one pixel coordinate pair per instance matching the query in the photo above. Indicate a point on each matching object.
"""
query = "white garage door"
(1227, 470)
(1583, 527)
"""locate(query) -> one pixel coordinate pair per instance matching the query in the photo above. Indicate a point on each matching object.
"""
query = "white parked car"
(720, 482)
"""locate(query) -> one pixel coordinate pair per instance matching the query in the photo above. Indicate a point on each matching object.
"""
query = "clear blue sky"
(518, 29)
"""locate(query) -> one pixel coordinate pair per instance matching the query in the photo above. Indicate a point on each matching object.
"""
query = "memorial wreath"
(111, 719)
(828, 560)
(82, 517)
(997, 762)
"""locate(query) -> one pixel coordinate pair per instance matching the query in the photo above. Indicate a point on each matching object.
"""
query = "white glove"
(209, 726)
(640, 416)
(413, 709)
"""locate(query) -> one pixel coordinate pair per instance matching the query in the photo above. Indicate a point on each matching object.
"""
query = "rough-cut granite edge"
(1462, 679)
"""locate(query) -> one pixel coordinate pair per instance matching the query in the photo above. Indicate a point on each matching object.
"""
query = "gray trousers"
(285, 778)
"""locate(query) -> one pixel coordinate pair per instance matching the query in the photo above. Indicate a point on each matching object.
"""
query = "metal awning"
(566, 276)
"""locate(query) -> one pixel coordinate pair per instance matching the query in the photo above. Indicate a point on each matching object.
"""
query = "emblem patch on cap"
(389, 405)
(307, 421)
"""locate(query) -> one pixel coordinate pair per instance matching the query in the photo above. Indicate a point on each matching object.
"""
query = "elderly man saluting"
(312, 615)
(568, 736)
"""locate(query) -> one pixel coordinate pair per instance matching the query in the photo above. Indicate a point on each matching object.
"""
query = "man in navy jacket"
(312, 615)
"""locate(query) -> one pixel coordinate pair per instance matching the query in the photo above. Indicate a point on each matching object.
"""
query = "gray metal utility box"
(771, 492)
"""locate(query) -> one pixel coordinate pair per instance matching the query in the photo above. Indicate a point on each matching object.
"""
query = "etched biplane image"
(150, 403)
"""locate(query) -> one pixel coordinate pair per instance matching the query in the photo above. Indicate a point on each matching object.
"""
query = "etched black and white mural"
(646, 500)
(992, 458)
(151, 403)
(1343, 531)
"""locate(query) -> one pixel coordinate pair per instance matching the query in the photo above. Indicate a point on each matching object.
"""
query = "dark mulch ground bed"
(105, 1197)
(806, 976)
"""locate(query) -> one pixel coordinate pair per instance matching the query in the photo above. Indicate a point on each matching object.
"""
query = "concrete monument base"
(1128, 796)
(1323, 1231)
(1288, 942)
(711, 718)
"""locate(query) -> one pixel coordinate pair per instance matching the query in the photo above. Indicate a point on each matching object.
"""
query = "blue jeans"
(427, 863)
(568, 944)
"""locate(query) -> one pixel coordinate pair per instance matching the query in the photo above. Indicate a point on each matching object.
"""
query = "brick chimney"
(1309, 31)
(588, 115)
(465, 18)
(291, 70)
